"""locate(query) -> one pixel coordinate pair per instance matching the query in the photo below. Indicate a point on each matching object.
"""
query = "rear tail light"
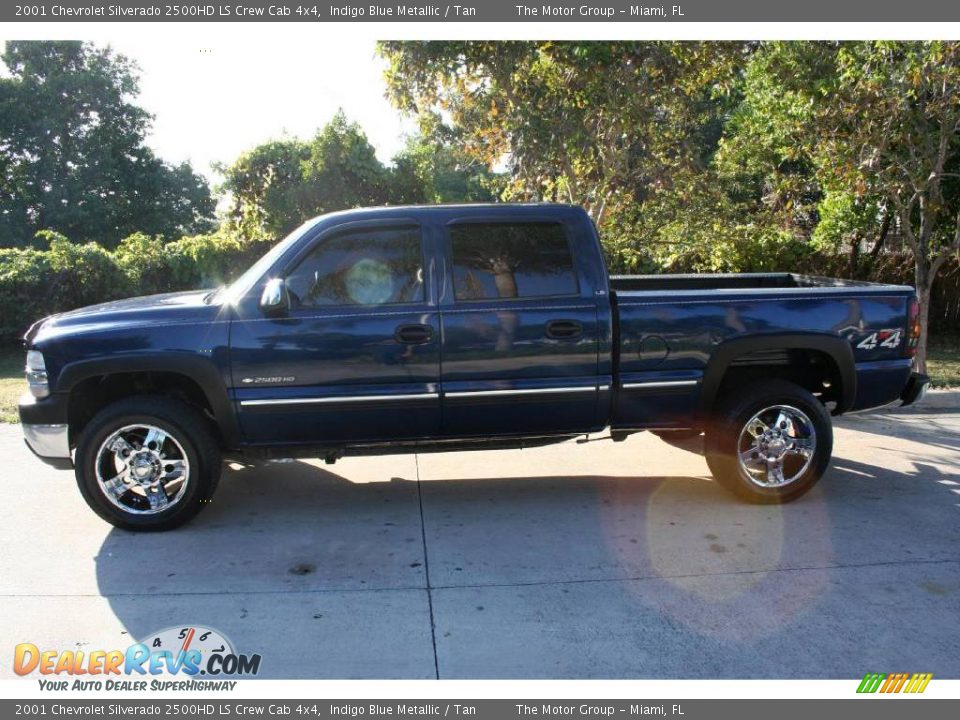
(913, 327)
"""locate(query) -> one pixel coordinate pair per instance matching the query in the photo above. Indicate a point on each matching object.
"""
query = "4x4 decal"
(881, 338)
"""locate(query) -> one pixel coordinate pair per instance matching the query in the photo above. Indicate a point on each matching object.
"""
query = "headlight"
(36, 371)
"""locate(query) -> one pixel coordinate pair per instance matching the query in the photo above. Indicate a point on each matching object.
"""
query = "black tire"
(724, 442)
(180, 422)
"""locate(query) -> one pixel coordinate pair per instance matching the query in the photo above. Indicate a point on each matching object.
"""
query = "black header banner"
(305, 11)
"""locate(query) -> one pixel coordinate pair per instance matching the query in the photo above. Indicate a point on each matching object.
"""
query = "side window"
(361, 267)
(511, 260)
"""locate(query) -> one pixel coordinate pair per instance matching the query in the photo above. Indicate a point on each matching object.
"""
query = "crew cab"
(415, 329)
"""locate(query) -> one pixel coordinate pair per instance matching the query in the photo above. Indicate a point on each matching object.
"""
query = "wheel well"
(92, 394)
(814, 370)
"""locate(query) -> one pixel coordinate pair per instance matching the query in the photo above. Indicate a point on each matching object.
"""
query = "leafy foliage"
(72, 152)
(849, 137)
(266, 185)
(278, 185)
(602, 125)
(828, 157)
(712, 156)
(35, 283)
(24, 280)
(427, 170)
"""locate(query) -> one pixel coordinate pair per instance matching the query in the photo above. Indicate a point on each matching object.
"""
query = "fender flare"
(201, 370)
(835, 347)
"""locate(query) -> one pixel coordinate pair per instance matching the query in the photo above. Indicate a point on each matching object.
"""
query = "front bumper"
(915, 389)
(45, 430)
(50, 443)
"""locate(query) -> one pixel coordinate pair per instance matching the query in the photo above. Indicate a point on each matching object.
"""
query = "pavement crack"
(426, 570)
(468, 586)
(684, 576)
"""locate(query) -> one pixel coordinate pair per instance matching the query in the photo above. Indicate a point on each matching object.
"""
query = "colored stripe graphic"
(894, 682)
(871, 682)
(901, 679)
(922, 682)
(889, 682)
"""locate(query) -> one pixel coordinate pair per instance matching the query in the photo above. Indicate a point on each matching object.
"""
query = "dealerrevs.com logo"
(172, 659)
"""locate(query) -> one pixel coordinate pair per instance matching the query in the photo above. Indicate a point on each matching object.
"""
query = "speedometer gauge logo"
(183, 639)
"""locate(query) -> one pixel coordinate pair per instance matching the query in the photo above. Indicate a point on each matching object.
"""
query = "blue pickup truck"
(415, 329)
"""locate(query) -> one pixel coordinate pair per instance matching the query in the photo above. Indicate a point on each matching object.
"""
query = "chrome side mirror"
(274, 297)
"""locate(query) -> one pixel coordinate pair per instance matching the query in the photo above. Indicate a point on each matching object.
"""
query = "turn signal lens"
(913, 328)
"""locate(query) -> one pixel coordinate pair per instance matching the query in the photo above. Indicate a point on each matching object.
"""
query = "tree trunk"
(854, 255)
(504, 280)
(924, 283)
(506, 284)
(882, 237)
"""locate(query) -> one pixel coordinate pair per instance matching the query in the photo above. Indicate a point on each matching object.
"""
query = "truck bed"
(727, 281)
(669, 327)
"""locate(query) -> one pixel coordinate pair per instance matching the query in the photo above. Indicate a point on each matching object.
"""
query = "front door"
(520, 331)
(356, 358)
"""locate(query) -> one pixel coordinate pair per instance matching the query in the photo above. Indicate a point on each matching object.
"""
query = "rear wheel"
(147, 463)
(770, 444)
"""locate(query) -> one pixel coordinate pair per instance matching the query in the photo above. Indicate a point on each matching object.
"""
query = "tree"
(597, 124)
(879, 124)
(342, 169)
(428, 170)
(894, 129)
(72, 152)
(267, 189)
(278, 185)
(763, 159)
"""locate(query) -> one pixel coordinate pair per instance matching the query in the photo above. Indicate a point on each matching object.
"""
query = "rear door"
(357, 356)
(520, 329)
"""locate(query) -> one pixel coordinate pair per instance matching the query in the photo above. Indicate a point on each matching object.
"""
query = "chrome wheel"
(142, 469)
(776, 446)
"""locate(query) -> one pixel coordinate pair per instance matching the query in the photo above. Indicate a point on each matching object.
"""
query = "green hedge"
(37, 282)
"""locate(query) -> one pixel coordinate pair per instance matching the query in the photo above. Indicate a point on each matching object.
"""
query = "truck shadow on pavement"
(473, 575)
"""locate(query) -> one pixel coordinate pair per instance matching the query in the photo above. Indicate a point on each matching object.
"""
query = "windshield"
(241, 286)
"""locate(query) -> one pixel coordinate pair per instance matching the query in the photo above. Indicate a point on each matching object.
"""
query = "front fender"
(202, 370)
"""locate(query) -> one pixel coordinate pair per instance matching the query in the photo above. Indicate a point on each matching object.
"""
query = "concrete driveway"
(579, 560)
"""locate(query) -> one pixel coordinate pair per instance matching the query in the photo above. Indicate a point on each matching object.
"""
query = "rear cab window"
(511, 260)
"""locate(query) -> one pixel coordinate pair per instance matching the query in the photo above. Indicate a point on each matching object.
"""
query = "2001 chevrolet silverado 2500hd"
(456, 327)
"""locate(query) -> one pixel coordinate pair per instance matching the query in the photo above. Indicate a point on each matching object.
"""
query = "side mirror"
(274, 297)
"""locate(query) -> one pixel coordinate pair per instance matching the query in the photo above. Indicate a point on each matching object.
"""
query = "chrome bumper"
(50, 443)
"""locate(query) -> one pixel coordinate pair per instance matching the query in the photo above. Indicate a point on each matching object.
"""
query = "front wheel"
(770, 444)
(147, 463)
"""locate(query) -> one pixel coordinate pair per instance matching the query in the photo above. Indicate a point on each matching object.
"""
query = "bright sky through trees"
(213, 101)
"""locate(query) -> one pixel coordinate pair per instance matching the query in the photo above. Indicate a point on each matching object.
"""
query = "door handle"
(564, 329)
(413, 334)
